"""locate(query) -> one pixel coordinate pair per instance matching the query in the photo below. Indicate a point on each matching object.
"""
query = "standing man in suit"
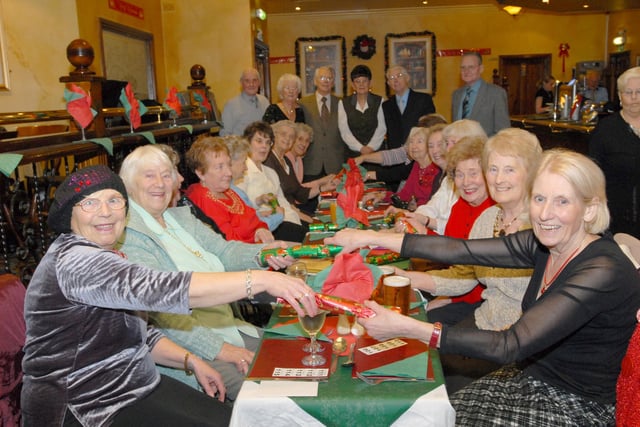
(478, 100)
(248, 107)
(401, 112)
(327, 152)
(403, 109)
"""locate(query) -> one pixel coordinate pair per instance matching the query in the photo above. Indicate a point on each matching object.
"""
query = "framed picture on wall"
(416, 52)
(314, 52)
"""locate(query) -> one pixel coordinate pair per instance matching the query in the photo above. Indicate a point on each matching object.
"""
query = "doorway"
(520, 76)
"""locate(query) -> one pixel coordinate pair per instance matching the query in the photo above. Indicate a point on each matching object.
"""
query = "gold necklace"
(502, 231)
(236, 207)
(190, 249)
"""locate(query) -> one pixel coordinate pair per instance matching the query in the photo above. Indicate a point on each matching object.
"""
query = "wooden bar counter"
(552, 134)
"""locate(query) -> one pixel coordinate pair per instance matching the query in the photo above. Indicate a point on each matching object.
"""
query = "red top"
(461, 220)
(420, 183)
(235, 219)
(628, 388)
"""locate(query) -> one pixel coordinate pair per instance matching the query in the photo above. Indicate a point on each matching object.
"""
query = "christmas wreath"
(364, 47)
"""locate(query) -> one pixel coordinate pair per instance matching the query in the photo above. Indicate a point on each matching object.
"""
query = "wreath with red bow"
(364, 47)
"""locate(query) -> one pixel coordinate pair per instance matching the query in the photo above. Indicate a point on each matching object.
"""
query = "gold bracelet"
(186, 364)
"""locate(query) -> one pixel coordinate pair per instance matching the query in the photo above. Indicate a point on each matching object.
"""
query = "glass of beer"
(312, 325)
(396, 291)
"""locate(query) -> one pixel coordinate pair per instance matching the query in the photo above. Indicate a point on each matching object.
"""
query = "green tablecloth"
(345, 401)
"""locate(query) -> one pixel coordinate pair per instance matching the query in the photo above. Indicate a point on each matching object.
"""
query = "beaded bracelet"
(247, 284)
(186, 364)
(435, 335)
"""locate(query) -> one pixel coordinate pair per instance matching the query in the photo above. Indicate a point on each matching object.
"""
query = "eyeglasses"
(325, 78)
(93, 205)
(396, 76)
(469, 67)
(630, 93)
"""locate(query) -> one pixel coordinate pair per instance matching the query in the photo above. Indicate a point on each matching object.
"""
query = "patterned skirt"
(509, 397)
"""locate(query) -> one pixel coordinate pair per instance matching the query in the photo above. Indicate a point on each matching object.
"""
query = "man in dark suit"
(403, 110)
(327, 152)
(478, 100)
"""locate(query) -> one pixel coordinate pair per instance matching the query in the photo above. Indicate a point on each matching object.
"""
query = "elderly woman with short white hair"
(172, 239)
(289, 87)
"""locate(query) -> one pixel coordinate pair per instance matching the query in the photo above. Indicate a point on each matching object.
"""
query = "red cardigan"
(461, 220)
(235, 219)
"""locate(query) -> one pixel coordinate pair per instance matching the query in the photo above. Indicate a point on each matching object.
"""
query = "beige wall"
(35, 50)
(454, 28)
(219, 35)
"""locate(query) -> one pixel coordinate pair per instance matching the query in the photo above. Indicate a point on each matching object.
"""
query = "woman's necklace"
(423, 175)
(187, 247)
(499, 231)
(546, 283)
(288, 111)
(236, 207)
(633, 128)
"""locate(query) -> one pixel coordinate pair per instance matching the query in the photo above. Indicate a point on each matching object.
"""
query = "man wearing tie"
(248, 107)
(401, 112)
(327, 153)
(404, 108)
(478, 100)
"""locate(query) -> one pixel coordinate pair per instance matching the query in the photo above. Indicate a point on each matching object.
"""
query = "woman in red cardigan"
(210, 160)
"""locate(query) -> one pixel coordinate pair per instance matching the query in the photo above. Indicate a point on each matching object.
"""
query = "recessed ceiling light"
(586, 6)
(425, 2)
(298, 8)
(545, 1)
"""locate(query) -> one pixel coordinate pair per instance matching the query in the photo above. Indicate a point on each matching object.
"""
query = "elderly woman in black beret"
(89, 355)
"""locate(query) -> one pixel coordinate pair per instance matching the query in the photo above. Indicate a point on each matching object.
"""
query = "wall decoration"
(416, 52)
(563, 52)
(364, 47)
(314, 52)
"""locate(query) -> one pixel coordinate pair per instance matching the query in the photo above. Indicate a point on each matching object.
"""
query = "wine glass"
(298, 269)
(312, 325)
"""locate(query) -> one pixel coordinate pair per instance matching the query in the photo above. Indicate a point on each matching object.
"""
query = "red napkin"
(79, 106)
(349, 278)
(172, 100)
(353, 192)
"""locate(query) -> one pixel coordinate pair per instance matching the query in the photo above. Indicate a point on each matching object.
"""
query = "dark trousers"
(172, 403)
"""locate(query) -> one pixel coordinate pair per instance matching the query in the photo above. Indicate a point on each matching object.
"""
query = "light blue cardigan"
(141, 246)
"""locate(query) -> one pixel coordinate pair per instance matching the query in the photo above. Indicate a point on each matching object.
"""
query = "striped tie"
(466, 108)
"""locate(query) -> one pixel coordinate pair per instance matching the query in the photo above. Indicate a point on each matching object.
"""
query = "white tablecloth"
(253, 410)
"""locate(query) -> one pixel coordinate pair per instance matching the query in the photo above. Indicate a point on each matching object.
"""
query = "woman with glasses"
(360, 116)
(90, 357)
(289, 86)
(615, 146)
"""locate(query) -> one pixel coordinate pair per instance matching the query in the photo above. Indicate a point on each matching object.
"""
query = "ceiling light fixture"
(298, 8)
(545, 1)
(512, 10)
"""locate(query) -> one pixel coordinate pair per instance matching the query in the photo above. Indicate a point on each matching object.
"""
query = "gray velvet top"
(87, 349)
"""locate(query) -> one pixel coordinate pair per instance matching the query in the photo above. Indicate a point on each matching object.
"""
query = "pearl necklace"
(634, 129)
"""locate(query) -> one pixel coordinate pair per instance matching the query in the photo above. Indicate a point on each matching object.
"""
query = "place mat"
(408, 361)
(282, 359)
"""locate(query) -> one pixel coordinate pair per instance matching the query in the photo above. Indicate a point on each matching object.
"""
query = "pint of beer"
(377, 294)
(396, 291)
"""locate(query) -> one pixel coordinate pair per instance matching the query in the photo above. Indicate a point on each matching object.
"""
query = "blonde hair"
(516, 143)
(586, 178)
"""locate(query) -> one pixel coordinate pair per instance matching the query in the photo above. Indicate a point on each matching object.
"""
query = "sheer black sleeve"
(512, 251)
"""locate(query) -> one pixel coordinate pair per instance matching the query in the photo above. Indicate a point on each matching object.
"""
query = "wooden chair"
(12, 338)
